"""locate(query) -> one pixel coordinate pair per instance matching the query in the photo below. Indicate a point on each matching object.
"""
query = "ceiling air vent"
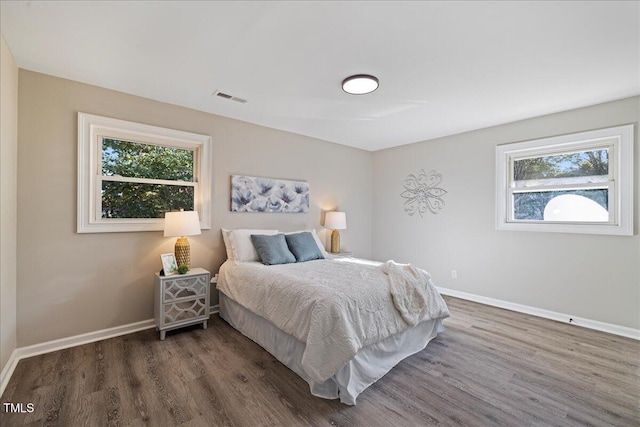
(231, 97)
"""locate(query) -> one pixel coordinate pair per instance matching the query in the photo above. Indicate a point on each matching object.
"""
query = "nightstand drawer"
(185, 310)
(185, 287)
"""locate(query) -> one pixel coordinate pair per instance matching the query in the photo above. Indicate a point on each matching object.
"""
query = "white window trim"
(91, 129)
(621, 162)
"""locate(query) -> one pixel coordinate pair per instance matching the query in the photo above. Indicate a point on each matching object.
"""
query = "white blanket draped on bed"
(335, 306)
(413, 292)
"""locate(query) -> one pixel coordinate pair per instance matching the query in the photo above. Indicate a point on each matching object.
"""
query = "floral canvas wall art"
(255, 194)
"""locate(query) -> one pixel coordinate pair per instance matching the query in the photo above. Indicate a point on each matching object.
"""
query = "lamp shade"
(183, 223)
(335, 220)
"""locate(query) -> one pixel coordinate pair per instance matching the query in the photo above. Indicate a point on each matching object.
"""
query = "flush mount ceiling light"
(360, 84)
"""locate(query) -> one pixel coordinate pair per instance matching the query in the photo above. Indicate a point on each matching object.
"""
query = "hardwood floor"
(491, 367)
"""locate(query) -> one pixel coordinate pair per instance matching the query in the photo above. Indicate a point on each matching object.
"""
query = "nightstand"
(181, 300)
(341, 254)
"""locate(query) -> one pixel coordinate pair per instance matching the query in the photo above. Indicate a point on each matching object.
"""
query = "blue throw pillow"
(303, 246)
(272, 249)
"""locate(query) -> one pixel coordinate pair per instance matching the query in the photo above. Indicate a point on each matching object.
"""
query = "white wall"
(73, 283)
(589, 276)
(8, 202)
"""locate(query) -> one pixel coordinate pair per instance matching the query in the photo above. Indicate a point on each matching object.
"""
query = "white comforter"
(335, 306)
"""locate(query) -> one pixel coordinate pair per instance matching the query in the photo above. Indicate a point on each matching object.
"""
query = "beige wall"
(590, 276)
(8, 201)
(73, 283)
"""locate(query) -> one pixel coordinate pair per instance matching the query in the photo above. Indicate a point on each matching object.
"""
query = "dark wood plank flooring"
(491, 367)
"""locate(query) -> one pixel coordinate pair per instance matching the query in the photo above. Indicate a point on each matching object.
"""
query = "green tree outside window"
(144, 180)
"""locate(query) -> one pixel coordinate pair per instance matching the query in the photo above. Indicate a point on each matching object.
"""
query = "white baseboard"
(547, 314)
(5, 376)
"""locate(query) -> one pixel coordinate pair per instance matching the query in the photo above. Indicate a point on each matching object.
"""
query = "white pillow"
(315, 237)
(242, 246)
(227, 242)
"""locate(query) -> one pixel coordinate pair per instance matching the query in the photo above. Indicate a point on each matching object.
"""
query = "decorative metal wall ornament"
(423, 192)
(255, 194)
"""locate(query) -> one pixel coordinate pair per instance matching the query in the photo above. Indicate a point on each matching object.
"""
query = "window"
(130, 174)
(578, 183)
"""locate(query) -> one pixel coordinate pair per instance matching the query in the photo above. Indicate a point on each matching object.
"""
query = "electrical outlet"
(454, 274)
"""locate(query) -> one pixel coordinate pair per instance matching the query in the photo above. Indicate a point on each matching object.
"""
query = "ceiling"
(444, 67)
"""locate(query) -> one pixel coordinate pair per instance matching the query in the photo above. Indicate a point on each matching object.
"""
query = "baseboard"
(5, 376)
(547, 314)
(214, 309)
(62, 343)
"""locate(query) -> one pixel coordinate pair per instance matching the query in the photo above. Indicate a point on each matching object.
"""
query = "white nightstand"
(181, 300)
(341, 254)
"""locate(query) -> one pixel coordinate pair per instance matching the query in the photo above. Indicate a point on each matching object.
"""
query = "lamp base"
(335, 241)
(183, 252)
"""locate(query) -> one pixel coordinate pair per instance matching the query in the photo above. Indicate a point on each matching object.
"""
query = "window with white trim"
(130, 174)
(577, 183)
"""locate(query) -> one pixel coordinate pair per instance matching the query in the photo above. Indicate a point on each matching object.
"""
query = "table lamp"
(336, 221)
(181, 224)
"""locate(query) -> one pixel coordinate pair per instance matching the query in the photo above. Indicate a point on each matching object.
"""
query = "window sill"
(573, 228)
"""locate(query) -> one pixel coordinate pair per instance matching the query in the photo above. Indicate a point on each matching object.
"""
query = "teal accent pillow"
(303, 246)
(272, 249)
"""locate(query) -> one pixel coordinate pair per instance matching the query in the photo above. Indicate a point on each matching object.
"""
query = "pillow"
(272, 249)
(241, 244)
(227, 242)
(303, 246)
(315, 237)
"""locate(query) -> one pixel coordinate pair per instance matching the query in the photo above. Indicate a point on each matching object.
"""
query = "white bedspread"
(335, 306)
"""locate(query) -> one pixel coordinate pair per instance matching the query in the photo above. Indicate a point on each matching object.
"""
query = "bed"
(333, 321)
